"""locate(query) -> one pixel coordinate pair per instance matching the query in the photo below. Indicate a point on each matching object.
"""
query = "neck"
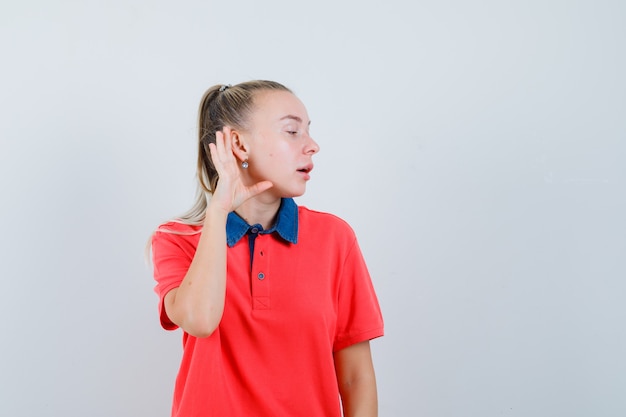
(258, 211)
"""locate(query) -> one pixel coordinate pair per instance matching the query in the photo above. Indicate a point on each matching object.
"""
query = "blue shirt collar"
(286, 224)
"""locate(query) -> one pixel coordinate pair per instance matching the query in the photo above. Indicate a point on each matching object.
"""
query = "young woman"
(275, 301)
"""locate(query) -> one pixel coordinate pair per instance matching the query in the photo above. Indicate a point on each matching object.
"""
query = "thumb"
(259, 187)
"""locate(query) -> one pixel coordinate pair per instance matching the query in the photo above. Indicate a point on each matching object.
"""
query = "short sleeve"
(359, 316)
(172, 254)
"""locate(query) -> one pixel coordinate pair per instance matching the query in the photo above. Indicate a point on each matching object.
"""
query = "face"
(279, 147)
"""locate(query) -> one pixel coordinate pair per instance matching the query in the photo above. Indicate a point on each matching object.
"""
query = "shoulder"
(324, 222)
(176, 233)
(178, 228)
(330, 219)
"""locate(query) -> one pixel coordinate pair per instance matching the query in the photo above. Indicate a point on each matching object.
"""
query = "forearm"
(357, 381)
(198, 303)
(359, 398)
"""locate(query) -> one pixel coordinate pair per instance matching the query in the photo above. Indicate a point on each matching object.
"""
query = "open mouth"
(306, 169)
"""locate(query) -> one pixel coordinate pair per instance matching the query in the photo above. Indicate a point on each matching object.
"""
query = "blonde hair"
(221, 105)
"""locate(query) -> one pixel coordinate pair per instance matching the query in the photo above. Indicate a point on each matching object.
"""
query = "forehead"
(273, 106)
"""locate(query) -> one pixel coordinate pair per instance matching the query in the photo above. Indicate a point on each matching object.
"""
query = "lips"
(306, 169)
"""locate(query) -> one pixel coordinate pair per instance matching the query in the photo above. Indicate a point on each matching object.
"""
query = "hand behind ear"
(231, 192)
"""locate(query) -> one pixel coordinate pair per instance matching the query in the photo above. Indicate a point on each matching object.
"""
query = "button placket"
(260, 276)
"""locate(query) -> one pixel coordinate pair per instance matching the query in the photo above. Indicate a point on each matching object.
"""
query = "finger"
(219, 153)
(216, 151)
(228, 144)
(219, 142)
(227, 151)
(259, 187)
(213, 153)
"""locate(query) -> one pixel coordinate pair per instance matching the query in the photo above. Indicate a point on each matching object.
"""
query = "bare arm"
(197, 304)
(357, 382)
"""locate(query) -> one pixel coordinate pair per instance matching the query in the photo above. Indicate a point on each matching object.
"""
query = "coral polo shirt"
(294, 295)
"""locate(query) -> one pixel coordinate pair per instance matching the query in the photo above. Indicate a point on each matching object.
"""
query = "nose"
(311, 147)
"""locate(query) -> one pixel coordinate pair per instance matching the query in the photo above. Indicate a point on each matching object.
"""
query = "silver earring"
(244, 164)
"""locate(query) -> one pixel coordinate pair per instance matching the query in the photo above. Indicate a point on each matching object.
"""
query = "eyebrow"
(292, 117)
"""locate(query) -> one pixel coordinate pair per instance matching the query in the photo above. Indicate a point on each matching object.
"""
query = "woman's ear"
(239, 145)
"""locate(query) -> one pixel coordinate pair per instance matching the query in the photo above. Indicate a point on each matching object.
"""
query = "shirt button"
(254, 230)
(261, 276)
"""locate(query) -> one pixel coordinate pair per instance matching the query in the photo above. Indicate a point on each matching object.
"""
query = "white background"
(477, 148)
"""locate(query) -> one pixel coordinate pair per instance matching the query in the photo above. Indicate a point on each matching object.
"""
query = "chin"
(293, 193)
